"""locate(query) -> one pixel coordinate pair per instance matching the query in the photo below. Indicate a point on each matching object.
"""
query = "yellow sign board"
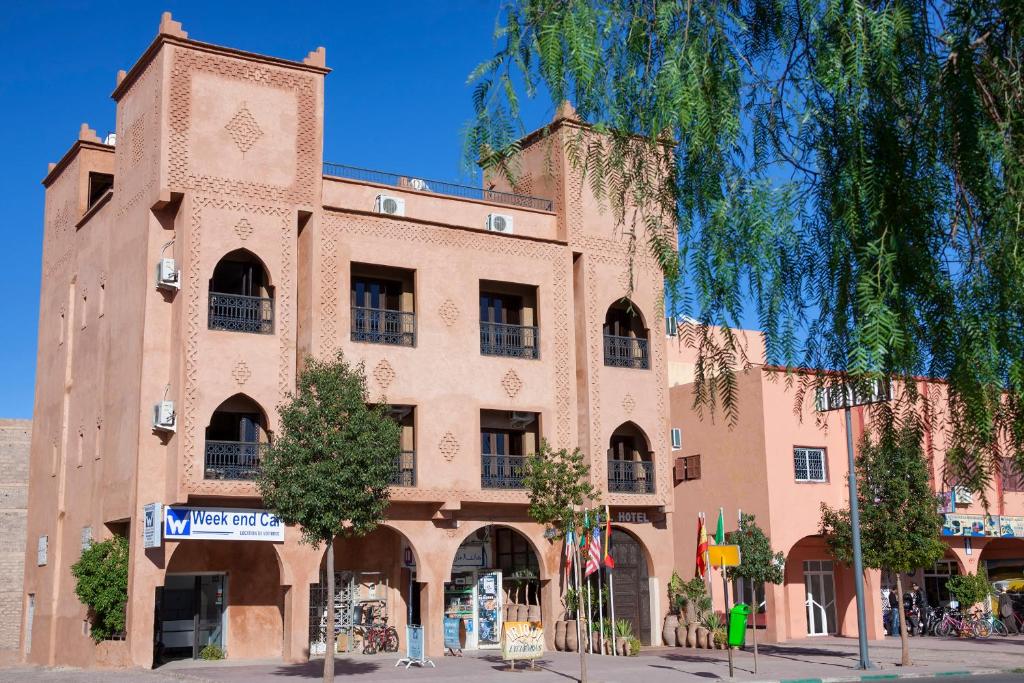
(522, 640)
(724, 555)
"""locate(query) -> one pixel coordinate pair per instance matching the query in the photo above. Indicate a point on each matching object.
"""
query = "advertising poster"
(970, 525)
(488, 609)
(522, 640)
(222, 524)
(1011, 527)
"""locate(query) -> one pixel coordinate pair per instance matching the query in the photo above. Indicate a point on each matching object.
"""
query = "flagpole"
(600, 602)
(611, 584)
(709, 582)
(579, 601)
(590, 630)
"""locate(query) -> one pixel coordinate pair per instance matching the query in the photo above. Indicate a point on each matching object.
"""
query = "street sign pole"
(858, 560)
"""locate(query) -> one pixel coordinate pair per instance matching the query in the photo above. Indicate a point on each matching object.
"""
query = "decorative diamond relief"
(243, 129)
(628, 404)
(512, 383)
(449, 312)
(384, 374)
(243, 229)
(241, 372)
(137, 139)
(448, 446)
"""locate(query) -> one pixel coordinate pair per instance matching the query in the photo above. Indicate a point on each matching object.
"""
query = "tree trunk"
(904, 640)
(753, 599)
(331, 609)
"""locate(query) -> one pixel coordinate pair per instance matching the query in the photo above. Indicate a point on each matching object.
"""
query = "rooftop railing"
(406, 182)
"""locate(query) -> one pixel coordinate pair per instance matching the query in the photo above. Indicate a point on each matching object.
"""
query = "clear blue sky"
(396, 100)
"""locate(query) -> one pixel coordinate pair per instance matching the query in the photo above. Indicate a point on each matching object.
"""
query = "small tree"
(330, 468)
(969, 589)
(559, 484)
(758, 563)
(899, 518)
(101, 583)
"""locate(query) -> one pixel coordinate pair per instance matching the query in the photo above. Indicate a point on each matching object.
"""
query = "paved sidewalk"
(805, 660)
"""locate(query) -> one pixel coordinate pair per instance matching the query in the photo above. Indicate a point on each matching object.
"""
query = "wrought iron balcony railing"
(405, 470)
(630, 476)
(383, 326)
(626, 352)
(437, 187)
(236, 460)
(502, 471)
(240, 313)
(517, 341)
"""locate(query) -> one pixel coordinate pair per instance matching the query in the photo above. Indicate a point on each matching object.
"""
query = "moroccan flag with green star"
(720, 529)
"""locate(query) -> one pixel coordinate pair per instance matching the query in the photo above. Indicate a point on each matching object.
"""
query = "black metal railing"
(237, 460)
(437, 186)
(626, 352)
(383, 326)
(630, 476)
(502, 471)
(517, 341)
(405, 469)
(240, 313)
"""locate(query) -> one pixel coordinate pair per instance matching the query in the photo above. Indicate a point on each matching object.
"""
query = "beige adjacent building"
(15, 436)
(189, 265)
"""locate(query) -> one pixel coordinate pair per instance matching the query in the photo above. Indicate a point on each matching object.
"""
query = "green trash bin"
(738, 624)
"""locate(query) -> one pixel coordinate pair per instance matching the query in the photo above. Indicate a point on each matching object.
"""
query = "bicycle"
(379, 638)
(963, 626)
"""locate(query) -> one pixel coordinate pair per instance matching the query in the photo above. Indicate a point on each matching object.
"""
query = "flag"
(594, 559)
(702, 548)
(568, 553)
(720, 529)
(583, 532)
(608, 561)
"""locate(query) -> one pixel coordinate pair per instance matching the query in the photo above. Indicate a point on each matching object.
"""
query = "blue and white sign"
(221, 524)
(151, 525)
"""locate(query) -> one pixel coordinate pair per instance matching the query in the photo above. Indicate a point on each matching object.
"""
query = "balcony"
(383, 326)
(630, 476)
(502, 471)
(514, 341)
(405, 469)
(626, 352)
(240, 313)
(233, 460)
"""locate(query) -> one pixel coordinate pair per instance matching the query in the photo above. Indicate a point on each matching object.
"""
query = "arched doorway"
(496, 577)
(374, 585)
(225, 594)
(631, 584)
(816, 587)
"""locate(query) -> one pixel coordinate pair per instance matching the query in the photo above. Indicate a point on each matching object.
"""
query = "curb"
(885, 677)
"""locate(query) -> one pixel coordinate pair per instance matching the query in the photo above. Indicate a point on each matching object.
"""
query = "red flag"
(594, 560)
(608, 561)
(702, 548)
(568, 553)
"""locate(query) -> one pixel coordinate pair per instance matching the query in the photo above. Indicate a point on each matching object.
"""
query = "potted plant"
(713, 624)
(676, 600)
(696, 605)
(623, 637)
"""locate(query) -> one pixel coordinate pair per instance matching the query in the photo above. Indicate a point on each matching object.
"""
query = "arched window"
(625, 337)
(235, 438)
(630, 461)
(241, 298)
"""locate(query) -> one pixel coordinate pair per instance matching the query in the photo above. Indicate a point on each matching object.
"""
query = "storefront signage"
(470, 557)
(151, 525)
(222, 524)
(452, 637)
(413, 648)
(1003, 526)
(636, 517)
(522, 640)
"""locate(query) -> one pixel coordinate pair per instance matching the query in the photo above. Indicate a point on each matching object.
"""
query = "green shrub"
(101, 583)
(969, 589)
(634, 646)
(211, 653)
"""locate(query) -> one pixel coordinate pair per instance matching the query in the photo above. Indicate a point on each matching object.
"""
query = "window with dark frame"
(687, 468)
(1013, 478)
(99, 185)
(809, 464)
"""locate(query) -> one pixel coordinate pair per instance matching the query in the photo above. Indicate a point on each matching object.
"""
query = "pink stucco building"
(191, 263)
(780, 462)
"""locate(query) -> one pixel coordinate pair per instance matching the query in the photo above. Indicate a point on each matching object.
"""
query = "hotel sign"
(981, 526)
(221, 524)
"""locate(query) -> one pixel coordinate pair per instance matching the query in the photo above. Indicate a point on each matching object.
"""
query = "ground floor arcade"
(257, 599)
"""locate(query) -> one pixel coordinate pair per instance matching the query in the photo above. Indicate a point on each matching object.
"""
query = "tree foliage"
(758, 563)
(101, 583)
(330, 468)
(558, 483)
(853, 172)
(969, 589)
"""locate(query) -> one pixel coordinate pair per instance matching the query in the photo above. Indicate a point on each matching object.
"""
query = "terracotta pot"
(691, 635)
(560, 636)
(524, 613)
(533, 612)
(702, 637)
(668, 630)
(626, 650)
(709, 640)
(571, 642)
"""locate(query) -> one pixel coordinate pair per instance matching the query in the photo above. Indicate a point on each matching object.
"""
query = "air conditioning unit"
(164, 417)
(392, 206)
(520, 419)
(167, 274)
(499, 222)
(963, 495)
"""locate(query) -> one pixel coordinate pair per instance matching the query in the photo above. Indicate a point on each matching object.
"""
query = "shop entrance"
(495, 578)
(819, 581)
(632, 587)
(190, 614)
